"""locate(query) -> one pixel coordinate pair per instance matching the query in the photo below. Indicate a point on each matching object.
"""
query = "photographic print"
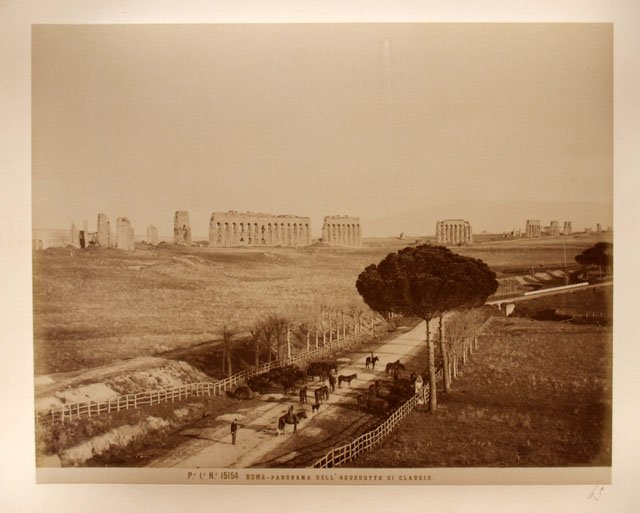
(323, 253)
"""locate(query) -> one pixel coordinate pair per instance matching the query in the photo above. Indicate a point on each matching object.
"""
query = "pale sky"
(499, 123)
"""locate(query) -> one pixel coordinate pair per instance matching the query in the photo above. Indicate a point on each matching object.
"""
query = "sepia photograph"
(309, 252)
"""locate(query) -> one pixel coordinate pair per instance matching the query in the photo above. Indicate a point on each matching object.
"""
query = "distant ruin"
(454, 231)
(257, 229)
(342, 231)
(553, 229)
(181, 227)
(152, 235)
(44, 239)
(533, 228)
(75, 236)
(567, 229)
(103, 233)
(124, 235)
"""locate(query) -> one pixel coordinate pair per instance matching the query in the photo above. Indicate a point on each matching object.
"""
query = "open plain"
(96, 306)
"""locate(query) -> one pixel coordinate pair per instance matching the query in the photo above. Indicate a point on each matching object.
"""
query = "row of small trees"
(274, 335)
(427, 282)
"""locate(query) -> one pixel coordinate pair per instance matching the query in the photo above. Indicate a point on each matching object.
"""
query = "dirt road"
(338, 420)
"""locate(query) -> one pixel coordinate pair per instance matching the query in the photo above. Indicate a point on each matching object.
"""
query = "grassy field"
(534, 394)
(95, 306)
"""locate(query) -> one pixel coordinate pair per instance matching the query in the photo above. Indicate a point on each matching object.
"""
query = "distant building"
(552, 230)
(532, 228)
(342, 231)
(454, 231)
(567, 229)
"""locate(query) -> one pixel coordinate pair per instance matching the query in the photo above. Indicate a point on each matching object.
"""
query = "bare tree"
(276, 326)
(227, 334)
(256, 331)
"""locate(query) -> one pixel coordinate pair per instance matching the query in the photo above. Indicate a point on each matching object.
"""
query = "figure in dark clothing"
(234, 431)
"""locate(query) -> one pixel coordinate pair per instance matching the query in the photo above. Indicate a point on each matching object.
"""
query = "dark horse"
(325, 392)
(371, 360)
(332, 382)
(303, 395)
(394, 366)
(347, 379)
(290, 418)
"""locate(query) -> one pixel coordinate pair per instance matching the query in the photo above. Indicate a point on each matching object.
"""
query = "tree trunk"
(269, 352)
(446, 375)
(224, 362)
(433, 402)
(455, 364)
(316, 338)
(288, 344)
(257, 351)
(229, 365)
(308, 339)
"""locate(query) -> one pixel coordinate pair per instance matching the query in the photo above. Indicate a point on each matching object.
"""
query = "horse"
(347, 379)
(318, 394)
(332, 382)
(394, 366)
(303, 395)
(325, 392)
(290, 418)
(371, 360)
(315, 408)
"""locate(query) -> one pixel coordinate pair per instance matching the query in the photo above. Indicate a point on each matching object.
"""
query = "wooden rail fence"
(339, 455)
(343, 454)
(73, 411)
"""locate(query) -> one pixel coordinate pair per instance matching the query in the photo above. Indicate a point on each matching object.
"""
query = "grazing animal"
(315, 408)
(332, 382)
(371, 360)
(325, 392)
(290, 419)
(319, 395)
(347, 379)
(303, 395)
(394, 366)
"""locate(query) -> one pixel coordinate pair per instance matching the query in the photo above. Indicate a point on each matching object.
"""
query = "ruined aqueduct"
(257, 229)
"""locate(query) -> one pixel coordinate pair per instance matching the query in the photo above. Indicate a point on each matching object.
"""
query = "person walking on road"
(234, 430)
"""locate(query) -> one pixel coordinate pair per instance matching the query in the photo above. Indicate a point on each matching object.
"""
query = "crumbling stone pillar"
(75, 236)
(181, 227)
(152, 235)
(103, 233)
(124, 234)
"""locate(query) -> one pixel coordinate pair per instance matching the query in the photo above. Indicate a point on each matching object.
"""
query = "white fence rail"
(124, 402)
(555, 289)
(345, 453)
(339, 455)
